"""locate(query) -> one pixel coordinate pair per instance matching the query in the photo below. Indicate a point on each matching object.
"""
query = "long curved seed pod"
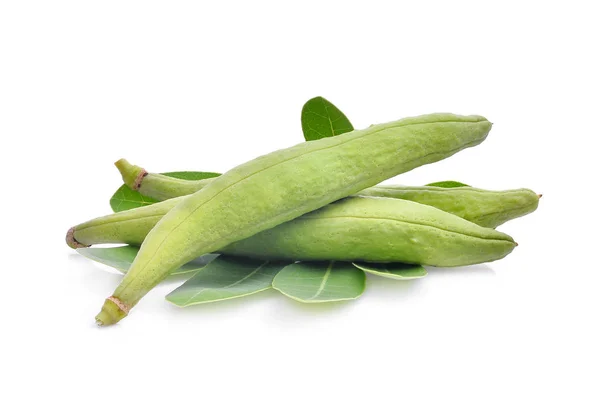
(283, 185)
(129, 227)
(378, 230)
(484, 207)
(157, 186)
(352, 229)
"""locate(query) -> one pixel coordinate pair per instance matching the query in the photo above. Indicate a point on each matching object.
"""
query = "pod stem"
(112, 312)
(133, 175)
(72, 242)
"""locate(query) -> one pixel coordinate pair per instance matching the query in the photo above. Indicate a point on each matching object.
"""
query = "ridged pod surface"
(283, 185)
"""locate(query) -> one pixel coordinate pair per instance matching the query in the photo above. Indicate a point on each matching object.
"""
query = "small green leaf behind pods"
(319, 282)
(126, 198)
(322, 119)
(226, 277)
(191, 175)
(398, 271)
(447, 184)
(121, 258)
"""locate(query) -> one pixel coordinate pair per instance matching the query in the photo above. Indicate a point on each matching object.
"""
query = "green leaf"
(322, 119)
(191, 175)
(447, 184)
(226, 277)
(398, 271)
(126, 199)
(318, 282)
(121, 258)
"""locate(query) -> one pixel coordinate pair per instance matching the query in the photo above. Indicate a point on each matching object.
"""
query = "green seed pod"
(352, 229)
(130, 227)
(157, 186)
(484, 207)
(378, 230)
(283, 185)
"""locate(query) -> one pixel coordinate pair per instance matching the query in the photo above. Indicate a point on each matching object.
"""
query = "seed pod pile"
(314, 202)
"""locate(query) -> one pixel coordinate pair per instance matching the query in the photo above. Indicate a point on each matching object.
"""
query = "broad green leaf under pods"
(126, 198)
(320, 281)
(322, 119)
(121, 258)
(398, 271)
(225, 278)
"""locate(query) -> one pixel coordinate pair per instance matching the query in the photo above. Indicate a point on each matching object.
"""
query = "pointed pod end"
(112, 312)
(72, 242)
(540, 196)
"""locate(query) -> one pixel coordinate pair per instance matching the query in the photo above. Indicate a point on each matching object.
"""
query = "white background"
(200, 86)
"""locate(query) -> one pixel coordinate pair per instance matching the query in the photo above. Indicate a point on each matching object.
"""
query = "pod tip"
(72, 242)
(516, 244)
(540, 196)
(112, 312)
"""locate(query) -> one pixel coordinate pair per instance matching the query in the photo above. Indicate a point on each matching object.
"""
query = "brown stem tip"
(139, 178)
(72, 242)
(112, 312)
(540, 196)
